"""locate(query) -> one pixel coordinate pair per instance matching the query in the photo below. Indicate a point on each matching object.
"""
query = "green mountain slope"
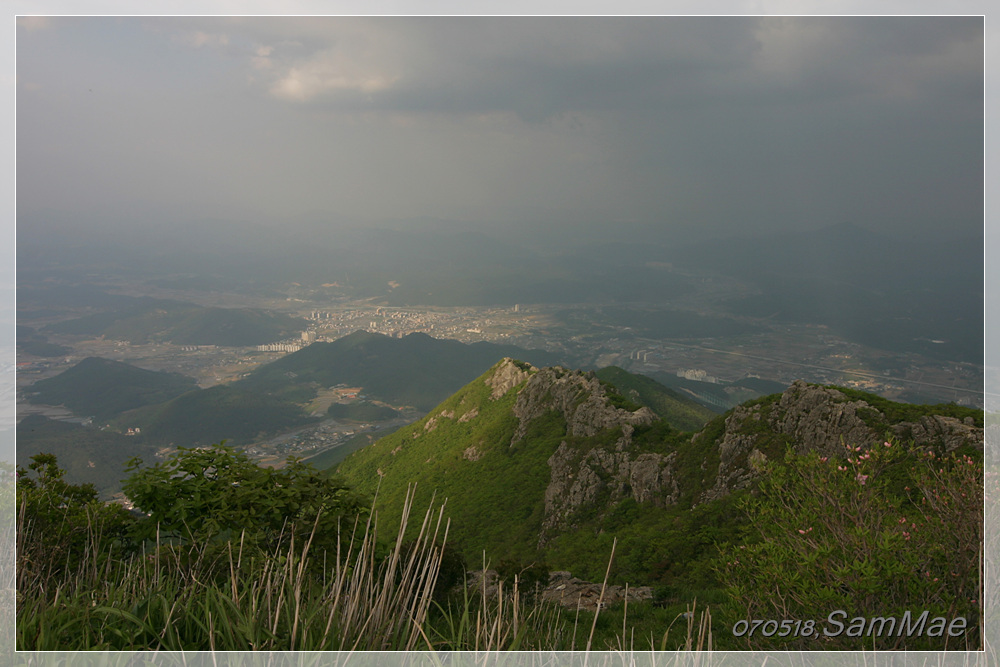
(415, 370)
(102, 388)
(505, 450)
(674, 408)
(551, 465)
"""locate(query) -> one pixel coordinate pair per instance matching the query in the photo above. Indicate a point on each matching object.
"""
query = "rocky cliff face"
(579, 397)
(507, 375)
(583, 476)
(815, 418)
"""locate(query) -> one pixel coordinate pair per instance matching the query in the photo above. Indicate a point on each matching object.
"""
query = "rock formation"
(815, 418)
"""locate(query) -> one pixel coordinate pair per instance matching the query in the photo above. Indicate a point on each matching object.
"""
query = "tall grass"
(233, 595)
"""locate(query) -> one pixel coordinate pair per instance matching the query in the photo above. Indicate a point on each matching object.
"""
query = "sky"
(727, 125)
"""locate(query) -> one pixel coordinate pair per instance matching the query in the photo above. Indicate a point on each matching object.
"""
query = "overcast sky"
(730, 124)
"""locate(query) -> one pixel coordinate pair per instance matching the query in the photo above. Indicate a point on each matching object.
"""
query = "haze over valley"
(718, 330)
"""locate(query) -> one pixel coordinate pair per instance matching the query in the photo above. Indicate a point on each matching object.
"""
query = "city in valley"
(579, 335)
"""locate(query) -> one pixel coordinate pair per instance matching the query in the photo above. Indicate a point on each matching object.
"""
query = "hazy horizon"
(468, 160)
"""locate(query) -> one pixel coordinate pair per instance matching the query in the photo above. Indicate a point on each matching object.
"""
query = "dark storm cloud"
(476, 65)
(724, 123)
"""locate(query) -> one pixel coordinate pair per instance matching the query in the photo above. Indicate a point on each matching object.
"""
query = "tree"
(60, 523)
(217, 492)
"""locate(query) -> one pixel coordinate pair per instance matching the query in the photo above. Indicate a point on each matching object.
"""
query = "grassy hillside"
(439, 456)
(507, 495)
(103, 388)
(416, 370)
(672, 407)
(462, 451)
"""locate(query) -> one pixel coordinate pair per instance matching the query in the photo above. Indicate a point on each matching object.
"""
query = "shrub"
(887, 530)
(62, 525)
(200, 494)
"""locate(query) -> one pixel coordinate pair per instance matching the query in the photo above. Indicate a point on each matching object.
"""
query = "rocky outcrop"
(820, 419)
(507, 375)
(579, 397)
(581, 478)
(566, 590)
(585, 476)
(815, 418)
(946, 431)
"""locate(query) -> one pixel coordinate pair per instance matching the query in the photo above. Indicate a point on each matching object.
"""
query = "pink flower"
(887, 443)
(862, 478)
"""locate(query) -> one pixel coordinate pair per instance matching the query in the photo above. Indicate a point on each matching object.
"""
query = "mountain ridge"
(590, 465)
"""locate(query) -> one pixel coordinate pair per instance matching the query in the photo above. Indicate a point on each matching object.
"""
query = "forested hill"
(416, 370)
(102, 388)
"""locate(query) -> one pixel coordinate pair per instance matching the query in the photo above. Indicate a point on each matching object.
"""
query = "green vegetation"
(218, 591)
(887, 530)
(440, 455)
(677, 410)
(102, 388)
(89, 579)
(90, 455)
(292, 558)
(222, 412)
(198, 494)
(463, 450)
